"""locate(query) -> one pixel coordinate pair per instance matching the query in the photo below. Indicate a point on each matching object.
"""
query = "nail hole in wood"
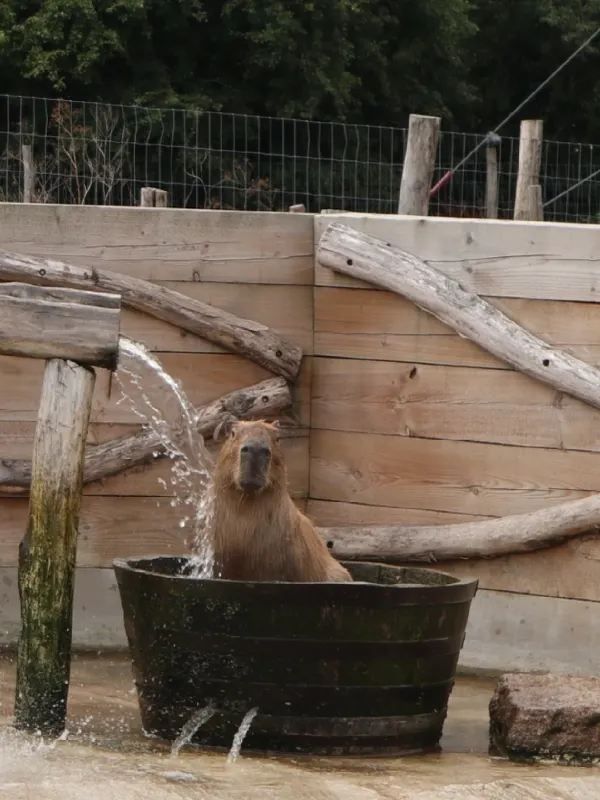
(412, 373)
(546, 362)
(349, 262)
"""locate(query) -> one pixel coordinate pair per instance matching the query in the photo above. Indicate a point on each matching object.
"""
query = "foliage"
(360, 60)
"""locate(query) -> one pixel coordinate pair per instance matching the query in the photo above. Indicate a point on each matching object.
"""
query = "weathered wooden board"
(462, 477)
(440, 402)
(204, 377)
(381, 325)
(544, 261)
(16, 441)
(110, 527)
(286, 309)
(569, 570)
(166, 244)
(330, 513)
(38, 322)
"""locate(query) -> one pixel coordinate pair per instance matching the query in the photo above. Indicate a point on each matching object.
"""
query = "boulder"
(546, 716)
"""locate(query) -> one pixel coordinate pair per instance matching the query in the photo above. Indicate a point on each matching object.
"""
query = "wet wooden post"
(530, 160)
(419, 163)
(74, 331)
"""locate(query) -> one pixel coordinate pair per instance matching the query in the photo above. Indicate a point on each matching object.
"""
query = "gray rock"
(546, 716)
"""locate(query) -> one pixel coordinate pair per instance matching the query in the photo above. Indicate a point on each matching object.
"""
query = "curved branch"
(518, 533)
(264, 399)
(370, 259)
(246, 337)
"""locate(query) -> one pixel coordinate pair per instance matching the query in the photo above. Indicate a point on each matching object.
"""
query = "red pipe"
(441, 183)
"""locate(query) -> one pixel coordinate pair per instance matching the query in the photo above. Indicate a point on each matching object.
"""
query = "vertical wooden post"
(153, 198)
(28, 173)
(491, 184)
(530, 159)
(536, 206)
(419, 163)
(47, 553)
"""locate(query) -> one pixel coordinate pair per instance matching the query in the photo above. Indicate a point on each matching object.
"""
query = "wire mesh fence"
(103, 154)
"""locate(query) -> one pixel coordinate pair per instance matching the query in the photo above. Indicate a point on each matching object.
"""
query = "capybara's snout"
(254, 465)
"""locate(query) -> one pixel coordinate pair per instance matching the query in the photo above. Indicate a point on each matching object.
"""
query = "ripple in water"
(163, 407)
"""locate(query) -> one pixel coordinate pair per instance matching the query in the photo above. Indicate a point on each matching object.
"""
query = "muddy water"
(105, 757)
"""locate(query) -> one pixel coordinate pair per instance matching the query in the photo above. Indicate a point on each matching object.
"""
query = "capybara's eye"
(245, 449)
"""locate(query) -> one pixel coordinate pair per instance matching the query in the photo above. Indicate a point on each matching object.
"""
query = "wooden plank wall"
(412, 424)
(258, 266)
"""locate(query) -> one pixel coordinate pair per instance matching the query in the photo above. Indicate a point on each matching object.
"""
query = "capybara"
(259, 534)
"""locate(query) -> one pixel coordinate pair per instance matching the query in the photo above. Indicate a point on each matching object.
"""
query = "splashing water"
(159, 401)
(241, 734)
(192, 726)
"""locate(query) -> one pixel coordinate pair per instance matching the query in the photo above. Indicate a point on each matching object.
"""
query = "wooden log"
(251, 339)
(530, 159)
(28, 173)
(373, 260)
(517, 533)
(419, 163)
(153, 198)
(265, 399)
(536, 205)
(491, 183)
(48, 551)
(41, 322)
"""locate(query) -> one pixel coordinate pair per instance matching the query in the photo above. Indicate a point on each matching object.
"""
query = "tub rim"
(466, 584)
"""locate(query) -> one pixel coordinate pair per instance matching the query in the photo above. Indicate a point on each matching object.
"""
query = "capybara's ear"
(224, 428)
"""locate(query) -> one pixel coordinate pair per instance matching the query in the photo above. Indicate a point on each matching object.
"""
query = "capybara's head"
(251, 460)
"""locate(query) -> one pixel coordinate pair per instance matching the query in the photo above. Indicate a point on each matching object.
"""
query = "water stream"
(192, 726)
(241, 734)
(161, 404)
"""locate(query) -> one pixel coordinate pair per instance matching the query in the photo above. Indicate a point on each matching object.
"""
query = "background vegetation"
(367, 61)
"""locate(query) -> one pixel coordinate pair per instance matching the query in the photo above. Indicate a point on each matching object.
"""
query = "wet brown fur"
(260, 535)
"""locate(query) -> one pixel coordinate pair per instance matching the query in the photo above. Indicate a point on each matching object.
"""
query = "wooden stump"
(419, 163)
(47, 553)
(530, 159)
(153, 198)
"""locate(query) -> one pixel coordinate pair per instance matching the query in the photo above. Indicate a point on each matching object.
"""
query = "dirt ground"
(106, 757)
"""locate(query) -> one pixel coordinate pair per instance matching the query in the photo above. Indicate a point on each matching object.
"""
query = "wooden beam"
(491, 183)
(48, 551)
(517, 533)
(419, 163)
(40, 322)
(536, 205)
(530, 159)
(350, 252)
(251, 339)
(265, 399)
(28, 173)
